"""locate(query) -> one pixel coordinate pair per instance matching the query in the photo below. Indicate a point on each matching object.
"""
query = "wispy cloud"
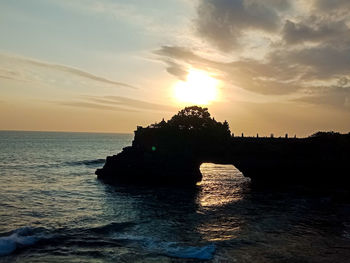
(14, 73)
(96, 106)
(80, 73)
(137, 104)
(337, 96)
(117, 103)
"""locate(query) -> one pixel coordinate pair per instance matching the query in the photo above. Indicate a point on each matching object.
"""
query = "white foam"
(172, 249)
(19, 238)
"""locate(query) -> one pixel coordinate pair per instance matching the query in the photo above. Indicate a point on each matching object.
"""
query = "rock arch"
(172, 152)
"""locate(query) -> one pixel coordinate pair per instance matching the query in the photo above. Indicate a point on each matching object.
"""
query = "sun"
(199, 88)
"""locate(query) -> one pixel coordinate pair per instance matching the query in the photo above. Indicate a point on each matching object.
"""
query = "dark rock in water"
(172, 152)
(169, 152)
(139, 166)
(316, 160)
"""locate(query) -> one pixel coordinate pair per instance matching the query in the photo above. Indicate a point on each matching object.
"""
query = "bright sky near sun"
(199, 88)
(274, 66)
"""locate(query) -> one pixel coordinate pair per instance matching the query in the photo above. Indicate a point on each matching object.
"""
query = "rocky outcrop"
(137, 166)
(172, 152)
(308, 161)
(168, 152)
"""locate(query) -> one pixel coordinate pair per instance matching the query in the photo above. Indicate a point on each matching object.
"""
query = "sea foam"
(93, 162)
(172, 249)
(19, 238)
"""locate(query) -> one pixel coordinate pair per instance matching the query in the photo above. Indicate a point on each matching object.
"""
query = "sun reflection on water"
(222, 187)
(214, 192)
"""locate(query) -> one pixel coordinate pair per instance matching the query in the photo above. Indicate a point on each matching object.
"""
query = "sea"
(53, 209)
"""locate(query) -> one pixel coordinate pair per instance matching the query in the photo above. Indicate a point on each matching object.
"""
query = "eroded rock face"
(172, 152)
(160, 156)
(309, 161)
(169, 152)
(137, 166)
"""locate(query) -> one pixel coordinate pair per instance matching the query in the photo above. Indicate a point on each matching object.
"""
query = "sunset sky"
(275, 66)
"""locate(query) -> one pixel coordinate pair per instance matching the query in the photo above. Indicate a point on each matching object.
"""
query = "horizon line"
(55, 131)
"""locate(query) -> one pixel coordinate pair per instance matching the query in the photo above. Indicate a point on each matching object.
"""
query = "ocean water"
(52, 209)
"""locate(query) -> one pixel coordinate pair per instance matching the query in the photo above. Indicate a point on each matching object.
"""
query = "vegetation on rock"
(194, 118)
(191, 128)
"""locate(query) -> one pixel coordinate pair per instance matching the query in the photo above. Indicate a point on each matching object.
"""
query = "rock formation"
(171, 153)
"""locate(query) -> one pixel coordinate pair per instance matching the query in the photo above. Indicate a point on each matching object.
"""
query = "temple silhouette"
(171, 152)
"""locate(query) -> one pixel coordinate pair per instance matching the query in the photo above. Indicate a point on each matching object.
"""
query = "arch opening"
(221, 172)
(221, 184)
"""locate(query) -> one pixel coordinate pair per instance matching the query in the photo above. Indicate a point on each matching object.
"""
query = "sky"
(281, 66)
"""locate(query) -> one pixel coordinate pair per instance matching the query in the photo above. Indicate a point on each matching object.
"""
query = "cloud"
(317, 63)
(285, 72)
(277, 47)
(15, 74)
(336, 96)
(333, 5)
(176, 70)
(80, 73)
(223, 22)
(314, 30)
(133, 103)
(117, 103)
(253, 75)
(90, 105)
(280, 5)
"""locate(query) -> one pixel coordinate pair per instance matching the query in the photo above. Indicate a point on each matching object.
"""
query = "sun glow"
(199, 88)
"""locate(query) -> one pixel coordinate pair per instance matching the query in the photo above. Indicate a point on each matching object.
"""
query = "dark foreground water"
(52, 209)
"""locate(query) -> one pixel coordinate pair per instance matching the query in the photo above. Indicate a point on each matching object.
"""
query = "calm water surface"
(52, 209)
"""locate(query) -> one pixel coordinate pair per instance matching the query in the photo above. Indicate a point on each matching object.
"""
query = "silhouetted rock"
(172, 152)
(169, 152)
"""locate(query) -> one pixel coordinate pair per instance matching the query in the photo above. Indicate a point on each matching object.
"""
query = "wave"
(111, 227)
(109, 235)
(171, 249)
(19, 238)
(87, 162)
(94, 162)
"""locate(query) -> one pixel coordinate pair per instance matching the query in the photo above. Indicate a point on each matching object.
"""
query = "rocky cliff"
(172, 152)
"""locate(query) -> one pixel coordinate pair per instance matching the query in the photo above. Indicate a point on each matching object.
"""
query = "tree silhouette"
(197, 120)
(190, 127)
(193, 117)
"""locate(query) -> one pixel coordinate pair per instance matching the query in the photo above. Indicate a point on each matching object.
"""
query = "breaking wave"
(85, 237)
(19, 238)
(87, 162)
(171, 249)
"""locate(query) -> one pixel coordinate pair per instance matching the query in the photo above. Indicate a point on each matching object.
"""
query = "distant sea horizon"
(94, 132)
(236, 135)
